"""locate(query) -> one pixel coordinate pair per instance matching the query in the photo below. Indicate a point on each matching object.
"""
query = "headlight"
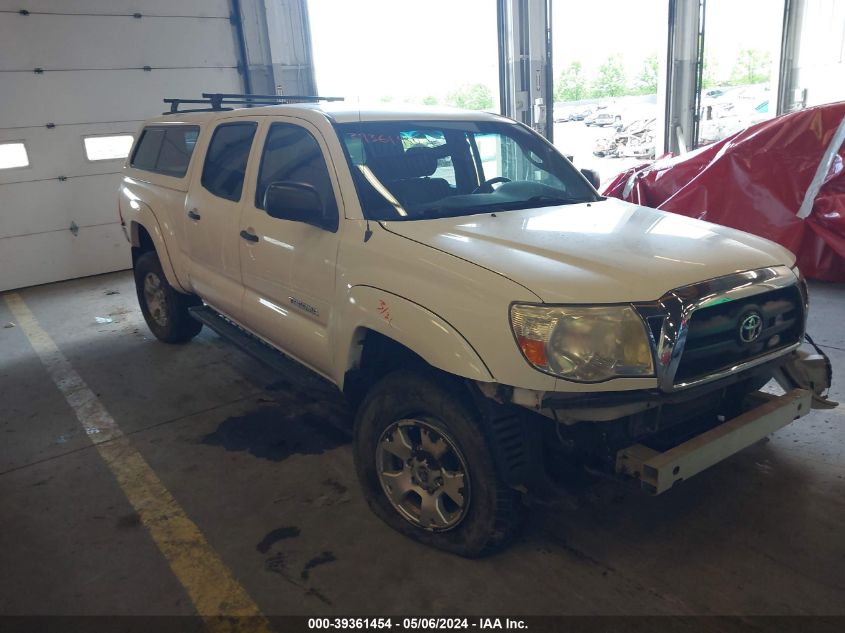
(584, 344)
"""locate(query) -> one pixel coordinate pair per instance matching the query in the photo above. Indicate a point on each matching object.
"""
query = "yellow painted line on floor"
(210, 585)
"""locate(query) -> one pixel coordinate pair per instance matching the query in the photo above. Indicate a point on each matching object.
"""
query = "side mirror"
(298, 202)
(592, 176)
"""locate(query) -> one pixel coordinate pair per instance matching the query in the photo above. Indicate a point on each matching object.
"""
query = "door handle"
(194, 215)
(249, 237)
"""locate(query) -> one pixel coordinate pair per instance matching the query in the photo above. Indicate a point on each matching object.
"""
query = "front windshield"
(413, 170)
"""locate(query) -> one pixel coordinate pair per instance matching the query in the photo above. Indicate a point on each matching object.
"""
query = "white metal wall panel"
(192, 8)
(155, 42)
(29, 260)
(93, 54)
(27, 99)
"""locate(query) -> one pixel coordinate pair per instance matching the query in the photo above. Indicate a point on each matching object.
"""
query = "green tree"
(646, 82)
(571, 84)
(610, 81)
(472, 97)
(708, 73)
(386, 99)
(752, 67)
(430, 100)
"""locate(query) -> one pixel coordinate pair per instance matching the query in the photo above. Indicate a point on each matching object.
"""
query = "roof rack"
(218, 101)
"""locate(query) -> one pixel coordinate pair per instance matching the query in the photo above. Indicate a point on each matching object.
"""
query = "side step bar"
(261, 351)
(657, 472)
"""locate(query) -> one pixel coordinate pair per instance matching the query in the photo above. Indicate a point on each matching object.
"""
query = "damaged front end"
(660, 438)
(810, 371)
(805, 377)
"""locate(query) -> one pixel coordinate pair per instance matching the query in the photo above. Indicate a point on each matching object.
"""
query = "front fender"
(411, 325)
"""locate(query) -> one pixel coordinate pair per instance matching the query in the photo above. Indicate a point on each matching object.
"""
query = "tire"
(412, 405)
(165, 309)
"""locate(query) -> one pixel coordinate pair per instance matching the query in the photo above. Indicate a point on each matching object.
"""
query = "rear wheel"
(165, 309)
(426, 469)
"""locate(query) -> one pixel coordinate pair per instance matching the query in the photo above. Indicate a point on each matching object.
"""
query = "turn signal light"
(535, 351)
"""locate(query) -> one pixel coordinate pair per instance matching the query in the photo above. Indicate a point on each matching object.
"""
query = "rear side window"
(225, 161)
(291, 153)
(166, 149)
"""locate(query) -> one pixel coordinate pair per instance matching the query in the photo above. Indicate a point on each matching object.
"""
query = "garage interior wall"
(95, 67)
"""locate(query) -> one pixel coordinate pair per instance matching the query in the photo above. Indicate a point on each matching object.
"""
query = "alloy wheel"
(423, 474)
(155, 298)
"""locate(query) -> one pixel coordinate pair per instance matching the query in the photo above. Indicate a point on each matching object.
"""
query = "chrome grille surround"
(676, 308)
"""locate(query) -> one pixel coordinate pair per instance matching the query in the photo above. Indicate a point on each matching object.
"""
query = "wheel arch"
(145, 235)
(387, 331)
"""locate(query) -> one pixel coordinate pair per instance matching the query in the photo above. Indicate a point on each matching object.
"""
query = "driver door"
(288, 267)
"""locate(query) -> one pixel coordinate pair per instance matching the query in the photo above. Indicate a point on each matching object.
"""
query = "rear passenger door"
(212, 212)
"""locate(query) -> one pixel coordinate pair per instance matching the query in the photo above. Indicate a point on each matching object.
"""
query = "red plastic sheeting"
(755, 181)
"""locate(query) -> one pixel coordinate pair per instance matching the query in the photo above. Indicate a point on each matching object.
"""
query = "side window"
(225, 161)
(165, 149)
(291, 153)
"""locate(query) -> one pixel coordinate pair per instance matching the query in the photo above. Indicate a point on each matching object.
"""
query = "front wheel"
(426, 469)
(165, 309)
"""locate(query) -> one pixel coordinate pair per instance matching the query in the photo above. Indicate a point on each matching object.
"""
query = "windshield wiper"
(445, 209)
(546, 200)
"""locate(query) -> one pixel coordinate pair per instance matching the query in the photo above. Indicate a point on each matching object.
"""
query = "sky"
(403, 48)
(410, 49)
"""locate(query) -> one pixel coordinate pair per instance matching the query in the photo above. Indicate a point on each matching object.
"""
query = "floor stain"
(338, 487)
(322, 559)
(337, 493)
(314, 592)
(128, 521)
(274, 536)
(277, 563)
(277, 432)
(577, 553)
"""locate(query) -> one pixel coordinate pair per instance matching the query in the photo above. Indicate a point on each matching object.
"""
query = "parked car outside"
(603, 118)
(579, 114)
(563, 113)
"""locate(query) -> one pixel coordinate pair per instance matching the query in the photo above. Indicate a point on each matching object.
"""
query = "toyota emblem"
(751, 327)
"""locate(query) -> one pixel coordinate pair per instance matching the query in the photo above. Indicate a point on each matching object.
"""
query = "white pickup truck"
(487, 314)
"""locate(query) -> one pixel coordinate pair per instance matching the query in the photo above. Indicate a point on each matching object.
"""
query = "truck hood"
(600, 252)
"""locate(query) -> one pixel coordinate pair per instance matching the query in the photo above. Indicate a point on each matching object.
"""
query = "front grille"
(714, 340)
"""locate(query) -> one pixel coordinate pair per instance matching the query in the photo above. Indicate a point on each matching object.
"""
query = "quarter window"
(226, 159)
(165, 149)
(291, 153)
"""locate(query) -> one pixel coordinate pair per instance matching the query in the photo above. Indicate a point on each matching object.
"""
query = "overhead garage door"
(70, 71)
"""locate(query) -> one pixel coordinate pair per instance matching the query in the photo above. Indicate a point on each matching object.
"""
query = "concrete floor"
(244, 454)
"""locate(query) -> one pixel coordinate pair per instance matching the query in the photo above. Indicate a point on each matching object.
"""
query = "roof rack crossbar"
(251, 97)
(217, 101)
(197, 110)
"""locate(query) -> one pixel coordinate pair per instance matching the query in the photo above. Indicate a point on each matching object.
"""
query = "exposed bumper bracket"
(658, 472)
(808, 371)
